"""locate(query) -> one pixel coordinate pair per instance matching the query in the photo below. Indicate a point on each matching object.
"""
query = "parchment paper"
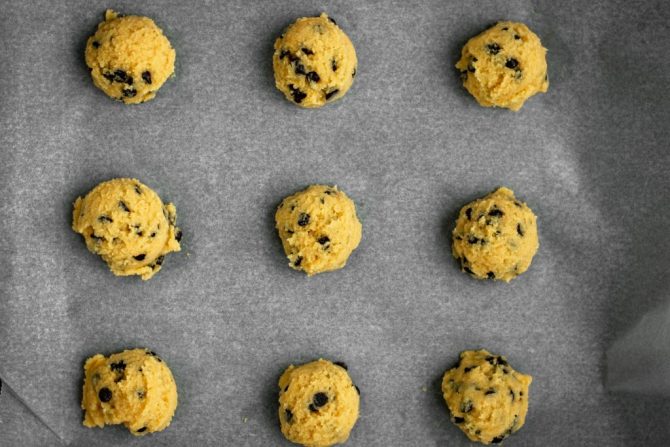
(409, 145)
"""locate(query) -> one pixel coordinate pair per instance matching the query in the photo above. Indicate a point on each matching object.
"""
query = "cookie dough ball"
(127, 224)
(134, 388)
(487, 399)
(318, 228)
(504, 66)
(318, 403)
(495, 237)
(314, 62)
(129, 57)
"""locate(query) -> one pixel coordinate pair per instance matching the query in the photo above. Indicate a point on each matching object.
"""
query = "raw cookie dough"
(127, 224)
(487, 398)
(495, 236)
(129, 57)
(318, 403)
(134, 388)
(504, 66)
(318, 228)
(314, 61)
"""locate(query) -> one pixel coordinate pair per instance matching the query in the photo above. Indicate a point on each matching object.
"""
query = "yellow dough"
(318, 228)
(487, 398)
(314, 62)
(495, 237)
(318, 403)
(134, 388)
(129, 57)
(504, 66)
(127, 224)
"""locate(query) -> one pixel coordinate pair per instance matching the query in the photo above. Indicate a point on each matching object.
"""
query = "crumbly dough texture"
(127, 224)
(318, 403)
(495, 236)
(504, 66)
(487, 398)
(318, 228)
(314, 62)
(129, 57)
(134, 388)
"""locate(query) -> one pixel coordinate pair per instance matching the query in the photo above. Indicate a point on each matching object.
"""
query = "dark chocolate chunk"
(320, 399)
(502, 361)
(467, 369)
(298, 96)
(288, 414)
(493, 48)
(466, 406)
(286, 388)
(333, 64)
(313, 76)
(458, 420)
(303, 219)
(519, 229)
(468, 213)
(178, 235)
(474, 240)
(297, 261)
(109, 76)
(105, 394)
(307, 51)
(505, 29)
(491, 275)
(122, 76)
(146, 77)
(312, 408)
(332, 93)
(520, 393)
(105, 219)
(497, 440)
(490, 359)
(118, 366)
(517, 37)
(129, 92)
(140, 257)
(159, 260)
(341, 365)
(332, 20)
(289, 231)
(323, 240)
(141, 430)
(467, 270)
(490, 391)
(299, 69)
(96, 44)
(283, 54)
(471, 68)
(138, 190)
(123, 206)
(496, 213)
(96, 238)
(512, 63)
(153, 234)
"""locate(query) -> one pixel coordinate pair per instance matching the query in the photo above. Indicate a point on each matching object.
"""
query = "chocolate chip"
(146, 76)
(496, 213)
(153, 234)
(466, 406)
(332, 93)
(505, 29)
(357, 390)
(159, 260)
(298, 96)
(283, 54)
(490, 391)
(303, 219)
(138, 190)
(467, 270)
(517, 37)
(140, 257)
(517, 203)
(289, 231)
(312, 408)
(286, 388)
(467, 369)
(471, 68)
(512, 63)
(118, 366)
(323, 240)
(109, 76)
(141, 430)
(520, 393)
(129, 92)
(299, 69)
(313, 76)
(474, 240)
(105, 395)
(320, 399)
(122, 76)
(96, 44)
(123, 206)
(512, 394)
(289, 415)
(341, 365)
(105, 219)
(491, 275)
(353, 74)
(497, 440)
(140, 393)
(332, 20)
(333, 65)
(330, 192)
(519, 230)
(458, 420)
(307, 51)
(502, 361)
(493, 48)
(297, 261)
(96, 238)
(490, 359)
(178, 235)
(468, 213)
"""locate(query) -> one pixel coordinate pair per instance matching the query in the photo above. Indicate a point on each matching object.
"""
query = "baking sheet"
(409, 145)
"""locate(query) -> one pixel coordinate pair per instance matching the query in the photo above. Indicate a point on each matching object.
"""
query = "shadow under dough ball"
(129, 57)
(318, 228)
(134, 388)
(318, 403)
(504, 66)
(314, 62)
(495, 236)
(487, 398)
(127, 224)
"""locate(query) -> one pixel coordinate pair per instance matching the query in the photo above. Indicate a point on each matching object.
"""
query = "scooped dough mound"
(504, 66)
(134, 388)
(314, 62)
(495, 237)
(318, 403)
(318, 228)
(487, 398)
(129, 57)
(127, 224)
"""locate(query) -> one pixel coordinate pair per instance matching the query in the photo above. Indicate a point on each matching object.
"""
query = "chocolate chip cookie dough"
(495, 236)
(318, 403)
(127, 224)
(314, 62)
(318, 228)
(504, 66)
(487, 398)
(129, 57)
(134, 388)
